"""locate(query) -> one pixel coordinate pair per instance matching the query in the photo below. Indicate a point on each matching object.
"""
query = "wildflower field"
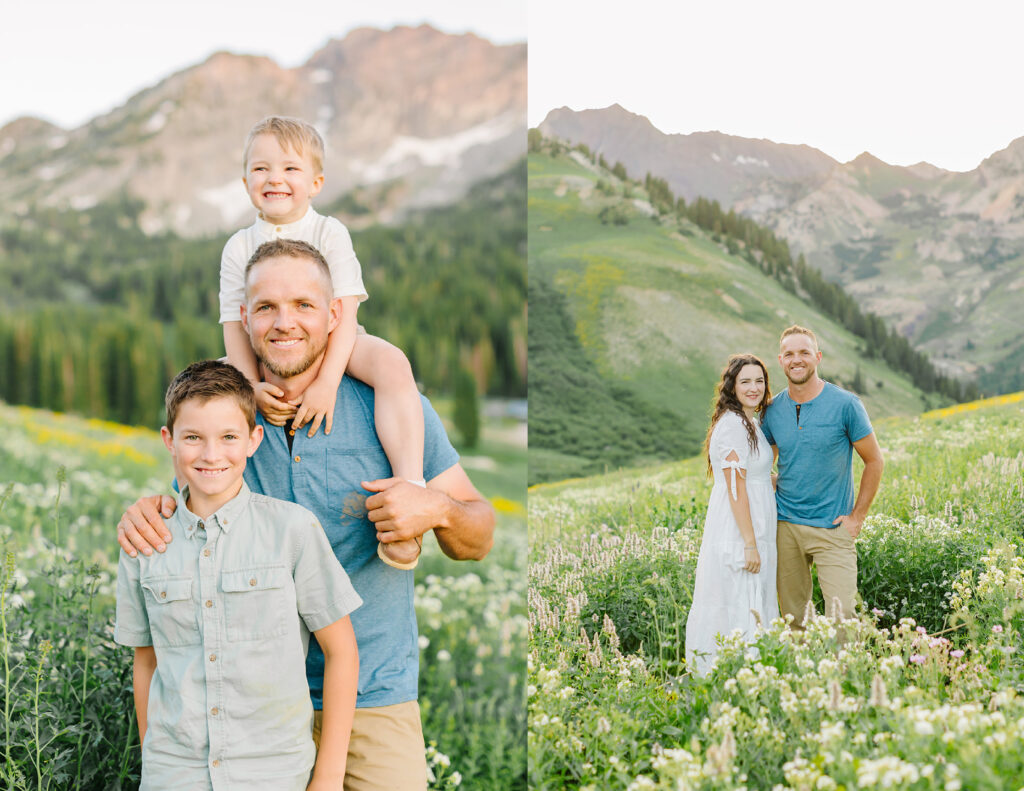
(68, 716)
(926, 691)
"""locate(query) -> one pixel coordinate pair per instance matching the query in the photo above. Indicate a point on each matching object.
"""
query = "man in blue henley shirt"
(814, 426)
(288, 314)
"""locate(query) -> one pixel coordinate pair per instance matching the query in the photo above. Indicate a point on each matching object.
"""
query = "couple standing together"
(760, 540)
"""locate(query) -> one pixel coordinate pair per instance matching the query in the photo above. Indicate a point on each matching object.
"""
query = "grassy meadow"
(68, 716)
(927, 692)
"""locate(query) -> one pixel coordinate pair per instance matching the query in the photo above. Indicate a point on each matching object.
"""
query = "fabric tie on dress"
(734, 466)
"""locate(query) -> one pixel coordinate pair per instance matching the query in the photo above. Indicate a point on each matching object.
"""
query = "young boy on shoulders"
(220, 622)
(283, 172)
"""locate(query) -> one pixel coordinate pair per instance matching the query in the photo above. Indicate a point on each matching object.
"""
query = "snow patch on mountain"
(230, 200)
(405, 152)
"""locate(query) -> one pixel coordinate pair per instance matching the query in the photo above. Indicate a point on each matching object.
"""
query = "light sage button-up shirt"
(228, 609)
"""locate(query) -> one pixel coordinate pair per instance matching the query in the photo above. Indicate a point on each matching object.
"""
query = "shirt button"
(252, 582)
(209, 603)
(298, 458)
(163, 594)
(216, 763)
(213, 711)
(201, 526)
(278, 229)
(213, 657)
(206, 553)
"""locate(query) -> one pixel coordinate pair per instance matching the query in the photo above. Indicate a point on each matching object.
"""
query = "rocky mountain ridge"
(938, 254)
(411, 117)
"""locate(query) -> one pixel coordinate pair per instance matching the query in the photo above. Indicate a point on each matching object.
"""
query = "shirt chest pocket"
(346, 469)
(257, 602)
(171, 611)
(823, 434)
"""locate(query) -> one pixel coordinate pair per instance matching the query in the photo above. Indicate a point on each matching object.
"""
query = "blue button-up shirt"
(228, 609)
(323, 473)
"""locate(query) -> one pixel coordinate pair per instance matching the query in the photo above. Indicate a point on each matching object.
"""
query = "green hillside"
(654, 308)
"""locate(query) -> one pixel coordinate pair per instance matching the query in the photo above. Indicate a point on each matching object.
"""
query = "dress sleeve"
(729, 436)
(346, 273)
(232, 280)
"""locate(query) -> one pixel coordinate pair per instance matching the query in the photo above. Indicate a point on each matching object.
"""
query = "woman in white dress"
(735, 581)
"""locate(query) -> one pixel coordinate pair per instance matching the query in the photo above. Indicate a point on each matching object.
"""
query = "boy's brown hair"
(293, 133)
(796, 329)
(210, 379)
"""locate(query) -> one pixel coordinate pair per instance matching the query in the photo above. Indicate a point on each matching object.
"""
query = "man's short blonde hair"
(293, 133)
(796, 329)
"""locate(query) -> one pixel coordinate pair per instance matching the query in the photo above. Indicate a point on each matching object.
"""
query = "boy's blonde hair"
(292, 133)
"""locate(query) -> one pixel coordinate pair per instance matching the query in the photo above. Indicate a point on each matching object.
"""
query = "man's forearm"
(465, 529)
(870, 480)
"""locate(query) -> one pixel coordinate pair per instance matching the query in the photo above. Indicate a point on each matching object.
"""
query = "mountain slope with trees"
(98, 315)
(937, 255)
(656, 294)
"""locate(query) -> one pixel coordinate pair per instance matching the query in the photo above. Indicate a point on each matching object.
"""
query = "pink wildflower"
(922, 630)
(997, 628)
(956, 654)
(917, 659)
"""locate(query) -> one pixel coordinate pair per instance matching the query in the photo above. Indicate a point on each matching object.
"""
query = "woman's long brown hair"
(725, 400)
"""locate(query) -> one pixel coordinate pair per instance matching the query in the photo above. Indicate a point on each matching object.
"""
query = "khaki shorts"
(385, 751)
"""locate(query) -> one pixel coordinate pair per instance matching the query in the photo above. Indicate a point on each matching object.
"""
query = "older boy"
(220, 622)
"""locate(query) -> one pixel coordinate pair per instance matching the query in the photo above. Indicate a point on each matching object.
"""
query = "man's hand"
(850, 522)
(400, 510)
(316, 404)
(268, 401)
(142, 529)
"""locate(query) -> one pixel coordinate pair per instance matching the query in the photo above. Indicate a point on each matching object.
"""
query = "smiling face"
(799, 358)
(750, 387)
(210, 442)
(288, 314)
(280, 181)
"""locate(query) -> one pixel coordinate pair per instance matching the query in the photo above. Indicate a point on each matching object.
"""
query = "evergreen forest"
(97, 316)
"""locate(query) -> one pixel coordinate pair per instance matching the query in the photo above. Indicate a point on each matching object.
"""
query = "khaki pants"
(385, 751)
(832, 551)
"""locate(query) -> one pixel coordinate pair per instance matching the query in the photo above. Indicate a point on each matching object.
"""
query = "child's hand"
(317, 405)
(268, 401)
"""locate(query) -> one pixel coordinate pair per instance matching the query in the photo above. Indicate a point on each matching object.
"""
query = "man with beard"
(814, 427)
(288, 313)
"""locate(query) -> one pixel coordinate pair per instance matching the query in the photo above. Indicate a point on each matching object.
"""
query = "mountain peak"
(414, 106)
(866, 159)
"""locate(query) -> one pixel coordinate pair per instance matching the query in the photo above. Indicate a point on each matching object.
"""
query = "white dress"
(724, 595)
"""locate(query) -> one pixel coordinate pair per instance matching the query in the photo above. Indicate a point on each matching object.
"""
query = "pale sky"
(70, 60)
(907, 80)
